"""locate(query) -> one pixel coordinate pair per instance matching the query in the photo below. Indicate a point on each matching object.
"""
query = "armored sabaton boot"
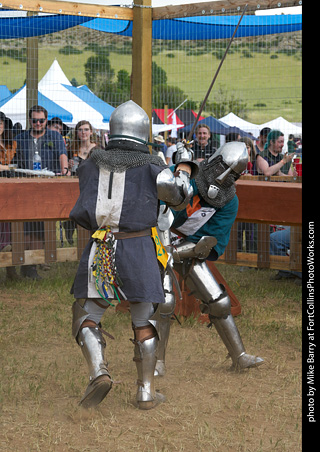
(166, 310)
(145, 359)
(216, 303)
(92, 345)
(229, 333)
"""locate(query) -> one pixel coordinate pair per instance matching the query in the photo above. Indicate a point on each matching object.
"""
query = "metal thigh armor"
(166, 309)
(216, 303)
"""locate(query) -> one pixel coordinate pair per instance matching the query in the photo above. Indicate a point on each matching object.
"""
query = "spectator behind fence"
(280, 246)
(84, 141)
(159, 148)
(203, 146)
(171, 148)
(16, 129)
(251, 166)
(262, 139)
(52, 150)
(56, 124)
(247, 232)
(7, 152)
(271, 162)
(7, 144)
(232, 136)
(48, 143)
(292, 146)
(82, 144)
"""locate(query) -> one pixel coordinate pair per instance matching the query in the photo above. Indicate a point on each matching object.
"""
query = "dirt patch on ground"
(208, 407)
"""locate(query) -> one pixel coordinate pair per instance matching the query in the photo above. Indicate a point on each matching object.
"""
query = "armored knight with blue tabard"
(201, 233)
(120, 189)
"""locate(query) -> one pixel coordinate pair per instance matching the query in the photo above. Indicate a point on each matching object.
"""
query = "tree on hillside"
(163, 94)
(98, 70)
(224, 102)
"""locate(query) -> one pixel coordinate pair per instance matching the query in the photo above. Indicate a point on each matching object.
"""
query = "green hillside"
(268, 83)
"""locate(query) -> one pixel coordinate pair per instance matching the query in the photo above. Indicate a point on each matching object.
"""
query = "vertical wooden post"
(166, 121)
(142, 56)
(295, 248)
(263, 251)
(32, 73)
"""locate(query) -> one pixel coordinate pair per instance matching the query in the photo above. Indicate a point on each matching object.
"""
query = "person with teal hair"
(271, 161)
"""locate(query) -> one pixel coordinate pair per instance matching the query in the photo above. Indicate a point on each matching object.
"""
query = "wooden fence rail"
(51, 200)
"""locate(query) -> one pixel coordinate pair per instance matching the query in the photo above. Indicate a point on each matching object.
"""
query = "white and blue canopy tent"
(14, 107)
(233, 120)
(4, 92)
(218, 127)
(186, 28)
(80, 102)
(57, 95)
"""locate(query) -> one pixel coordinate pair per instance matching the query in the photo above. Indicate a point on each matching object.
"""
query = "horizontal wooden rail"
(53, 199)
(163, 12)
(70, 8)
(208, 8)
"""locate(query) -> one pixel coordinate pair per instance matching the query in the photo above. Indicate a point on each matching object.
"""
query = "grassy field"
(208, 407)
(270, 87)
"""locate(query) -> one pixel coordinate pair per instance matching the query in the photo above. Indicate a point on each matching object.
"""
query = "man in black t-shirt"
(203, 146)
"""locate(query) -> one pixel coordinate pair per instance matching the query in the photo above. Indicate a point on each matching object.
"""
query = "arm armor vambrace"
(176, 192)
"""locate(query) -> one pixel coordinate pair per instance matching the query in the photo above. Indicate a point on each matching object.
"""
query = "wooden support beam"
(32, 72)
(70, 8)
(211, 8)
(142, 55)
(126, 13)
(17, 241)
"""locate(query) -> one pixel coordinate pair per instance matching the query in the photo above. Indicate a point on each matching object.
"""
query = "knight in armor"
(201, 233)
(120, 189)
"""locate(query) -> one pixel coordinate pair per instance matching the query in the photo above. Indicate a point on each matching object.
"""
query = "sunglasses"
(41, 120)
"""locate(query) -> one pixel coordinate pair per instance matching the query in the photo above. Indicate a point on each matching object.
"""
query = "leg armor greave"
(145, 359)
(216, 303)
(145, 324)
(165, 310)
(92, 343)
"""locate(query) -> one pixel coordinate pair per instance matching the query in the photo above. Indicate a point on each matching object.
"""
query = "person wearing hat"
(160, 146)
(262, 139)
(55, 124)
